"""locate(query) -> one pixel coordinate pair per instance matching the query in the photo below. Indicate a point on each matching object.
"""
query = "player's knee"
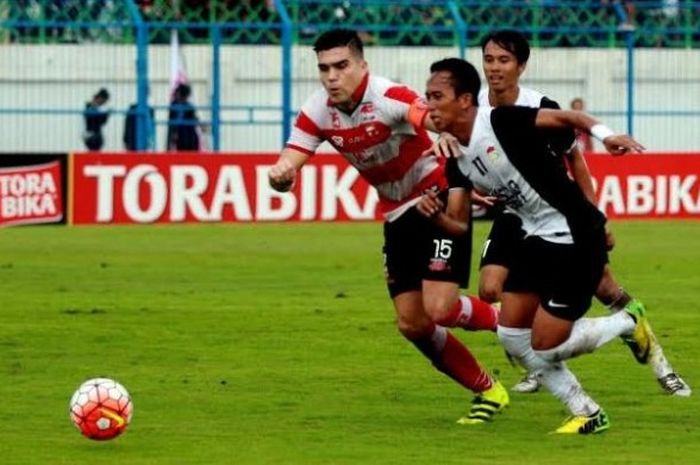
(413, 329)
(438, 308)
(490, 291)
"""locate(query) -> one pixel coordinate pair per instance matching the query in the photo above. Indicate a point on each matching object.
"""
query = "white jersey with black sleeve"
(510, 158)
(561, 141)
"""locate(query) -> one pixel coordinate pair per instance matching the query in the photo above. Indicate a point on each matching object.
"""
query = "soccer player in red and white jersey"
(380, 128)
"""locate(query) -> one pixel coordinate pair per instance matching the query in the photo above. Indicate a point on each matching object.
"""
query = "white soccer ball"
(101, 408)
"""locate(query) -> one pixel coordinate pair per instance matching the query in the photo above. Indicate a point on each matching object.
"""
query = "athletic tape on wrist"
(601, 131)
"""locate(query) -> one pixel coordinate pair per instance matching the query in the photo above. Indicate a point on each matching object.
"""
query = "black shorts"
(499, 248)
(565, 276)
(415, 249)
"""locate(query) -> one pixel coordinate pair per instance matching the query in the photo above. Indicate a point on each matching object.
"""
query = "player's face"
(501, 68)
(341, 72)
(443, 105)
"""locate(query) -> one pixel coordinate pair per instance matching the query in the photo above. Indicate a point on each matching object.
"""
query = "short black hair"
(465, 79)
(510, 40)
(103, 94)
(183, 90)
(339, 38)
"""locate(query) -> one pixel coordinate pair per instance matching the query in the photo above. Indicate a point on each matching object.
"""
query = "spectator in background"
(583, 139)
(95, 117)
(182, 122)
(129, 137)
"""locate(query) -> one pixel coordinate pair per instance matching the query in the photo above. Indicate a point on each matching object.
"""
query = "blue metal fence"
(429, 23)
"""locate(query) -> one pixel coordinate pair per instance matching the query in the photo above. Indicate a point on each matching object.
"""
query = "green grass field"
(275, 344)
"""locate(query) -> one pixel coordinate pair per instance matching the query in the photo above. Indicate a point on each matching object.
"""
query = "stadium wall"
(49, 77)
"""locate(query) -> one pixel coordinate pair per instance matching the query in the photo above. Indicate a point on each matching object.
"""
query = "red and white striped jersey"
(377, 139)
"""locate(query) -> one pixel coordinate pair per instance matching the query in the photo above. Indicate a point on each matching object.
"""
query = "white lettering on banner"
(28, 205)
(183, 196)
(230, 189)
(147, 193)
(338, 190)
(661, 195)
(679, 194)
(17, 185)
(308, 193)
(131, 193)
(611, 193)
(104, 176)
(27, 195)
(640, 195)
(266, 195)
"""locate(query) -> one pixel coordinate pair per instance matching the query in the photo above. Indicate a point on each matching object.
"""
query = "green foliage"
(580, 23)
(275, 343)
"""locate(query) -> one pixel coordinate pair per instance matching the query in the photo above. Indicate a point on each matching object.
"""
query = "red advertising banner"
(165, 188)
(647, 186)
(31, 194)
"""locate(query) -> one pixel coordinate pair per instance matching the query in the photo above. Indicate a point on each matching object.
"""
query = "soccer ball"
(101, 409)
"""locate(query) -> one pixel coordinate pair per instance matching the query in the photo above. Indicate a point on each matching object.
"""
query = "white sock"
(439, 338)
(556, 377)
(562, 383)
(658, 362)
(588, 334)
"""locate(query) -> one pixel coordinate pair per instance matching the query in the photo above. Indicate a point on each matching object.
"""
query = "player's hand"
(485, 200)
(609, 239)
(446, 146)
(621, 144)
(282, 176)
(430, 205)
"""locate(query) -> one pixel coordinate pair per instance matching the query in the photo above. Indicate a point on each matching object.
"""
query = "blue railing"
(453, 21)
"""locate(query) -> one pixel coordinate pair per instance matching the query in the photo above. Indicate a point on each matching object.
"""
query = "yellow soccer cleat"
(593, 424)
(642, 340)
(486, 404)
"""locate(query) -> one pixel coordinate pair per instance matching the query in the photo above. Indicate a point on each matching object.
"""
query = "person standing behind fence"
(182, 122)
(95, 117)
(129, 137)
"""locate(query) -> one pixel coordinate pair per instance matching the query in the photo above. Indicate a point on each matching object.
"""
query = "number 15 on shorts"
(443, 248)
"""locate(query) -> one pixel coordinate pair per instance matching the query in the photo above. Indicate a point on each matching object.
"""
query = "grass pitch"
(275, 344)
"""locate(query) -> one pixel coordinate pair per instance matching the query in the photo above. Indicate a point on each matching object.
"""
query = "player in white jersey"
(560, 258)
(505, 55)
(377, 126)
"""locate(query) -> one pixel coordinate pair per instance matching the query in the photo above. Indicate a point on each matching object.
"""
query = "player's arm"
(616, 144)
(282, 175)
(581, 173)
(453, 217)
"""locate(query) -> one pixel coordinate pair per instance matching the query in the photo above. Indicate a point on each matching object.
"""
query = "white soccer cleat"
(674, 385)
(528, 384)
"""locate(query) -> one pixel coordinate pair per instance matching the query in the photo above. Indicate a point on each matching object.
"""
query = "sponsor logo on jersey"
(491, 153)
(338, 141)
(335, 120)
(438, 265)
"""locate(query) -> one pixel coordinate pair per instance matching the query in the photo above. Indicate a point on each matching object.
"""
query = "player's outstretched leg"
(453, 358)
(616, 298)
(668, 379)
(559, 380)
